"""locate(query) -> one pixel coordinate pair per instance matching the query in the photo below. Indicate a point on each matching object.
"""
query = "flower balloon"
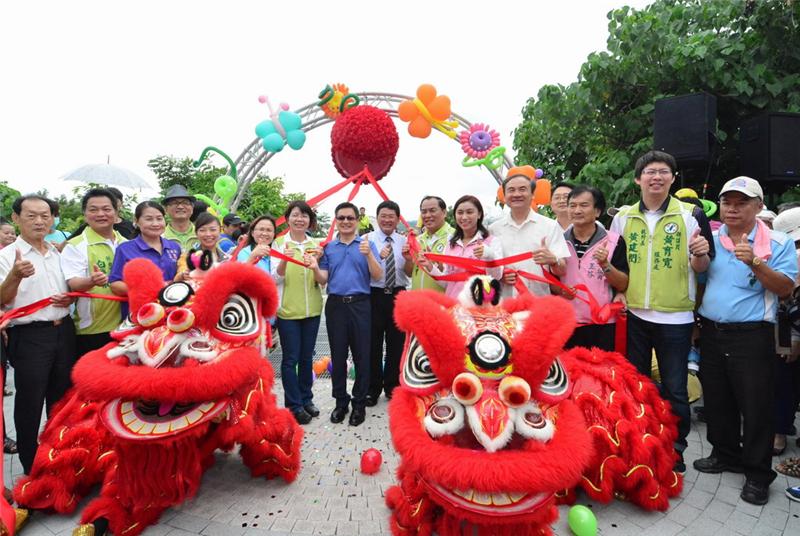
(482, 145)
(427, 111)
(335, 99)
(478, 140)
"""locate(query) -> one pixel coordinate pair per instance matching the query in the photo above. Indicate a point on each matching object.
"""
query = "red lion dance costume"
(147, 412)
(495, 423)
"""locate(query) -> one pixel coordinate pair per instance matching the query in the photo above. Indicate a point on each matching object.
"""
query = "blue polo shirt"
(167, 260)
(733, 293)
(348, 271)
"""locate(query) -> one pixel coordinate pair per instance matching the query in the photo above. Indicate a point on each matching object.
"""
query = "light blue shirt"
(733, 293)
(265, 263)
(378, 239)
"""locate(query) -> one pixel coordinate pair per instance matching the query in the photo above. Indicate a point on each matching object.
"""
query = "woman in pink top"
(470, 240)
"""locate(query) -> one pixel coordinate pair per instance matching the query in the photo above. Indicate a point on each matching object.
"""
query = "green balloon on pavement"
(582, 521)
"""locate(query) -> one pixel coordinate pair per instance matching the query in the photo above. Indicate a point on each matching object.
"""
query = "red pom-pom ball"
(364, 135)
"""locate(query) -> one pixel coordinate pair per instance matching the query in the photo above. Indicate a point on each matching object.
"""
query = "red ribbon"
(31, 308)
(272, 253)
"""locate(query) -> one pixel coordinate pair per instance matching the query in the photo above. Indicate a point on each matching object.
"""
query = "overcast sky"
(85, 80)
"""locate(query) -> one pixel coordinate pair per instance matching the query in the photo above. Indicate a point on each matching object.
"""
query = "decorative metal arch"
(254, 156)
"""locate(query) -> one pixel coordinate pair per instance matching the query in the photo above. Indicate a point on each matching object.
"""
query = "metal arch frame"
(254, 157)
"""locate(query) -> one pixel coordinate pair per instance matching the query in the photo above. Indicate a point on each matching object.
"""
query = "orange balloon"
(407, 110)
(501, 197)
(321, 365)
(426, 93)
(440, 108)
(541, 195)
(419, 127)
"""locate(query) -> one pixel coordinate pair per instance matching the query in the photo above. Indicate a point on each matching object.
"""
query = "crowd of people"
(679, 284)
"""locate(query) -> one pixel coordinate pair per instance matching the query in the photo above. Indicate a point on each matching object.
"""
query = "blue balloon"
(296, 139)
(264, 128)
(290, 121)
(273, 142)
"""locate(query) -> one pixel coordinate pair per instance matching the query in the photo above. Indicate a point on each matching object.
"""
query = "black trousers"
(672, 343)
(738, 373)
(384, 376)
(348, 323)
(88, 343)
(42, 355)
(593, 335)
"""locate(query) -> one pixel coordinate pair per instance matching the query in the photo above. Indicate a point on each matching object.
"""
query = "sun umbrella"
(107, 175)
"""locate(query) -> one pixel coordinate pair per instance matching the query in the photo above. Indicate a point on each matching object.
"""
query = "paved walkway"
(331, 496)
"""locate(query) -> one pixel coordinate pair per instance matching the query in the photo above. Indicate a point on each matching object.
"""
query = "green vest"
(301, 296)
(185, 240)
(94, 315)
(659, 264)
(430, 243)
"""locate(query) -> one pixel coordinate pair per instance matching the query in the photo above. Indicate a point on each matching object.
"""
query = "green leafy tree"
(171, 171)
(264, 195)
(7, 197)
(744, 52)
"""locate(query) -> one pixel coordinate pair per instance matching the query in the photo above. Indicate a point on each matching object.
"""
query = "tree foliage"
(745, 52)
(264, 196)
(7, 197)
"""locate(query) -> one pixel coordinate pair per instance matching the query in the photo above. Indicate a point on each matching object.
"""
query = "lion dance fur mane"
(185, 376)
(495, 423)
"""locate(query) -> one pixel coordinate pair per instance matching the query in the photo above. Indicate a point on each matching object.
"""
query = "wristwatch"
(756, 261)
(607, 269)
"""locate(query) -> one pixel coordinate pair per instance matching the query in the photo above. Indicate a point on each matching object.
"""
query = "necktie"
(389, 264)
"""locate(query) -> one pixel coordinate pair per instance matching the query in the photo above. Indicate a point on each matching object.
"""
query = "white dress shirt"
(47, 280)
(378, 238)
(525, 237)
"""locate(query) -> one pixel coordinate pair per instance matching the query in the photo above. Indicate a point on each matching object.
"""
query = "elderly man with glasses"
(179, 205)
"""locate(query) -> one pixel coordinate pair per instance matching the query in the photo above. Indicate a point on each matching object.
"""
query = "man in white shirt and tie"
(41, 346)
(390, 245)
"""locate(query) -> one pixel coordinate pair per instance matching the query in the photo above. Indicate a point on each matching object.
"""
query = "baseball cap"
(744, 185)
(231, 219)
(788, 222)
(766, 215)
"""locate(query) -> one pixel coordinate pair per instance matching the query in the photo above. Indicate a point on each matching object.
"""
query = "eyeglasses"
(180, 202)
(345, 218)
(660, 172)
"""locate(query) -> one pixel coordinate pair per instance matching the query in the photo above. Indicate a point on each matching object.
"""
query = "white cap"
(788, 222)
(766, 215)
(744, 185)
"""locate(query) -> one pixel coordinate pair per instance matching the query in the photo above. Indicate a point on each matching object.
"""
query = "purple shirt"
(167, 260)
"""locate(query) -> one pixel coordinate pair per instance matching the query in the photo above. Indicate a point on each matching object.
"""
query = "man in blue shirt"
(347, 265)
(754, 268)
(390, 244)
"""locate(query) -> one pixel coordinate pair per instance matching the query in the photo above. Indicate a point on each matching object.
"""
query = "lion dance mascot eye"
(496, 423)
(186, 376)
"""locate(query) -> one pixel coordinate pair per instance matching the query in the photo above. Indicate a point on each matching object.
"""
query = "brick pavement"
(331, 496)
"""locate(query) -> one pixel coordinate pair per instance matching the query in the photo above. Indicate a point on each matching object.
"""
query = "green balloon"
(225, 187)
(582, 521)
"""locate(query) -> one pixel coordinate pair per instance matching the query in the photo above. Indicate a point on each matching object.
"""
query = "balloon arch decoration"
(254, 157)
(364, 141)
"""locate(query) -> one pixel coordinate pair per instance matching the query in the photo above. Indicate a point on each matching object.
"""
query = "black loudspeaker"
(769, 147)
(684, 127)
